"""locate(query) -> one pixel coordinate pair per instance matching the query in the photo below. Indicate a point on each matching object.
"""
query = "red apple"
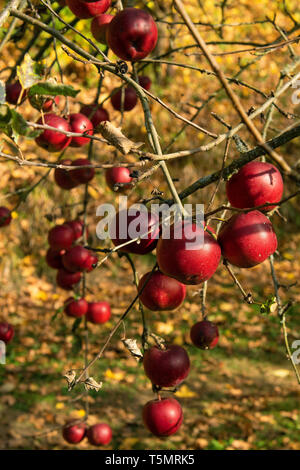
(189, 264)
(161, 292)
(99, 435)
(91, 262)
(128, 227)
(63, 177)
(5, 216)
(247, 239)
(84, 175)
(13, 92)
(95, 113)
(255, 184)
(163, 417)
(85, 10)
(75, 308)
(145, 82)
(6, 332)
(54, 258)
(205, 334)
(81, 124)
(99, 27)
(116, 175)
(74, 433)
(130, 99)
(166, 367)
(98, 312)
(77, 258)
(51, 140)
(61, 237)
(77, 227)
(41, 102)
(67, 280)
(132, 34)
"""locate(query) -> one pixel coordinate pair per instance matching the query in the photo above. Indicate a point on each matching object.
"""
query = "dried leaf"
(133, 348)
(91, 384)
(70, 377)
(116, 138)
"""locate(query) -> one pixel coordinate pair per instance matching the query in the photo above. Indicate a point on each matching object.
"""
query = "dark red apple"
(75, 307)
(192, 258)
(247, 239)
(74, 433)
(61, 237)
(255, 184)
(99, 435)
(130, 99)
(95, 113)
(51, 140)
(205, 334)
(132, 34)
(166, 367)
(128, 227)
(63, 178)
(6, 332)
(85, 10)
(91, 262)
(84, 175)
(5, 216)
(99, 27)
(77, 227)
(116, 175)
(13, 91)
(163, 417)
(145, 82)
(98, 312)
(54, 258)
(81, 124)
(77, 258)
(161, 292)
(67, 280)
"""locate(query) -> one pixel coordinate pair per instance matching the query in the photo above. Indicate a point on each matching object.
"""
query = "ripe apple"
(166, 367)
(77, 227)
(51, 140)
(132, 34)
(61, 237)
(13, 91)
(81, 124)
(161, 292)
(163, 417)
(98, 312)
(67, 280)
(145, 82)
(130, 99)
(74, 433)
(99, 27)
(84, 175)
(99, 435)
(54, 258)
(190, 266)
(85, 10)
(77, 258)
(41, 102)
(95, 113)
(247, 239)
(63, 177)
(205, 334)
(126, 224)
(75, 308)
(6, 332)
(116, 175)
(91, 262)
(255, 184)
(5, 216)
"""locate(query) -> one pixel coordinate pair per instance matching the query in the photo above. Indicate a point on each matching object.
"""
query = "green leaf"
(51, 88)
(2, 92)
(5, 115)
(270, 306)
(27, 72)
(21, 127)
(76, 324)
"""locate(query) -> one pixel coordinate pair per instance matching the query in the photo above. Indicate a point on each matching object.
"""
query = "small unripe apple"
(67, 280)
(247, 239)
(81, 124)
(84, 175)
(75, 307)
(132, 34)
(192, 258)
(99, 27)
(99, 435)
(163, 417)
(54, 258)
(5, 216)
(118, 175)
(126, 224)
(166, 367)
(51, 140)
(74, 433)
(130, 99)
(61, 237)
(63, 177)
(41, 102)
(76, 258)
(6, 332)
(13, 92)
(98, 312)
(85, 10)
(145, 82)
(255, 184)
(77, 227)
(205, 334)
(95, 113)
(161, 292)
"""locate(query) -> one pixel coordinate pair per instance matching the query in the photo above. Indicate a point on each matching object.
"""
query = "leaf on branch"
(133, 348)
(27, 72)
(159, 340)
(91, 384)
(270, 306)
(2, 92)
(20, 126)
(117, 139)
(52, 88)
(70, 377)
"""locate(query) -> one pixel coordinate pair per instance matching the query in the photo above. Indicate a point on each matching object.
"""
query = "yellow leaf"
(93, 193)
(118, 376)
(79, 413)
(185, 392)
(14, 215)
(288, 256)
(59, 406)
(164, 328)
(128, 443)
(282, 373)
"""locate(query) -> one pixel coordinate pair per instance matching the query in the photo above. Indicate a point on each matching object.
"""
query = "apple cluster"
(99, 434)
